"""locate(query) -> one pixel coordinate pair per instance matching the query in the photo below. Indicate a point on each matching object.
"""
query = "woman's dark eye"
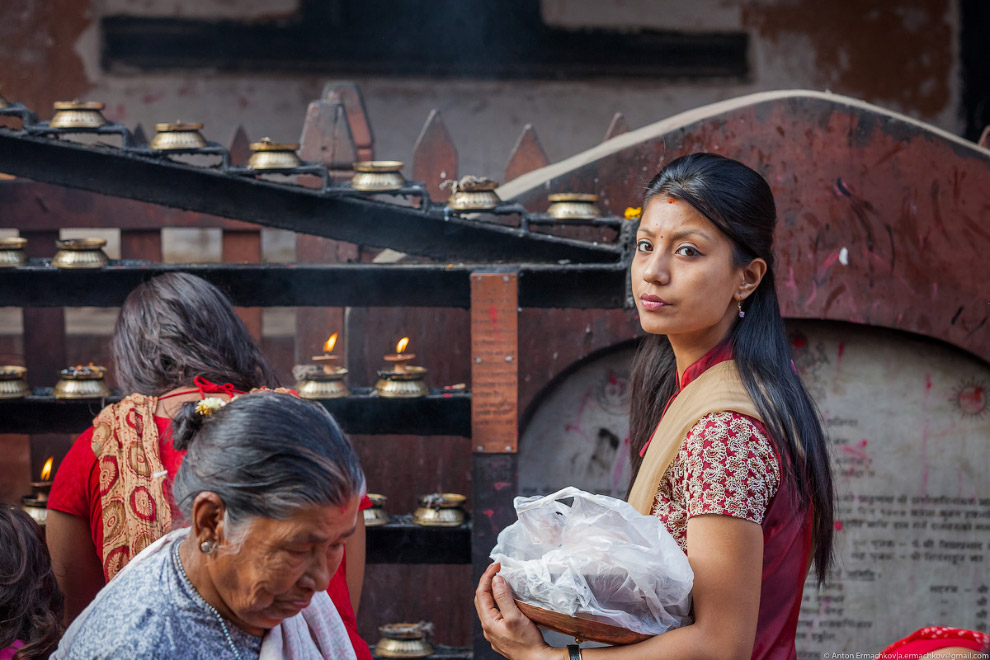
(643, 246)
(687, 251)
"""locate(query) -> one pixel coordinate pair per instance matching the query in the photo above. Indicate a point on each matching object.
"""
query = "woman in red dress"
(177, 339)
(729, 450)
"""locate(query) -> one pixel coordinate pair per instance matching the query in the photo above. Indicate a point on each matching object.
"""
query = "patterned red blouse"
(726, 466)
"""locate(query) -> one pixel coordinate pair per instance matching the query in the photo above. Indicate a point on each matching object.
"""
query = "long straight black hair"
(738, 201)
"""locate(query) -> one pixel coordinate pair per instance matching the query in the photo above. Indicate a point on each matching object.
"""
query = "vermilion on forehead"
(354, 501)
(654, 214)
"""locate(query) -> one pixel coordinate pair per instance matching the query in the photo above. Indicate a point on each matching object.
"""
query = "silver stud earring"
(739, 305)
(206, 547)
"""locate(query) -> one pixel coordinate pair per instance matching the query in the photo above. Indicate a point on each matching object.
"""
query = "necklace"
(223, 626)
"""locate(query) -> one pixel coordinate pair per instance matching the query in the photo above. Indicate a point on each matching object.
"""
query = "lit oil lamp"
(402, 380)
(400, 359)
(324, 380)
(82, 382)
(36, 504)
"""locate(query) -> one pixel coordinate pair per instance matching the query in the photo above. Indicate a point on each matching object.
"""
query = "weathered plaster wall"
(898, 55)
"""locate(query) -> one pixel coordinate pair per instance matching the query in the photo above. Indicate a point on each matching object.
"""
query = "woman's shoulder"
(728, 465)
(734, 431)
(729, 437)
(114, 646)
(132, 613)
(70, 489)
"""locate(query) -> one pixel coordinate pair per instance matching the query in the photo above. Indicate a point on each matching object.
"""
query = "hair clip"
(208, 406)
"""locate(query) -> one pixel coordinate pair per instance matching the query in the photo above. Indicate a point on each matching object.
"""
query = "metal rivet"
(479, 448)
(508, 448)
(505, 278)
(508, 358)
(477, 360)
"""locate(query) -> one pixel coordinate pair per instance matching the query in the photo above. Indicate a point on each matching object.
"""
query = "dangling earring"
(206, 547)
(739, 305)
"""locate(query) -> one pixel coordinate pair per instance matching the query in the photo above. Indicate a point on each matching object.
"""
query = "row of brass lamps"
(72, 253)
(434, 510)
(470, 193)
(325, 379)
(85, 253)
(78, 382)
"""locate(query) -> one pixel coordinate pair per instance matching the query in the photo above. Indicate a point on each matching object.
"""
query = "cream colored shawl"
(718, 389)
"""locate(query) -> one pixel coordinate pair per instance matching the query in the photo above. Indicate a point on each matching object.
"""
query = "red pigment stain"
(671, 201)
(584, 403)
(612, 380)
(151, 98)
(928, 381)
(118, 113)
(858, 453)
(799, 342)
(862, 443)
(973, 399)
(842, 348)
(499, 485)
(790, 283)
(838, 525)
(814, 294)
(489, 512)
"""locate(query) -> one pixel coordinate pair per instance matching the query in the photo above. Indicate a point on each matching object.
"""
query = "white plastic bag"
(596, 558)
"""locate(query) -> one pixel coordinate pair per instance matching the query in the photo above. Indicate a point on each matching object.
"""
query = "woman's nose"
(657, 269)
(321, 570)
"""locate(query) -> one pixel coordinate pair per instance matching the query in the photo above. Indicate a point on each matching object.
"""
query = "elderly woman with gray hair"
(270, 489)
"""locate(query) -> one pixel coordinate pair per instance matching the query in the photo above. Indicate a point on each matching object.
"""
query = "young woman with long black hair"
(728, 449)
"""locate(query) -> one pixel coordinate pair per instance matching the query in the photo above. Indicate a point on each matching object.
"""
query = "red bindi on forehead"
(671, 200)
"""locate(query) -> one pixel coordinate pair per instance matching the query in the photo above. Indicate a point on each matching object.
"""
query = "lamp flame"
(330, 343)
(401, 346)
(46, 471)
